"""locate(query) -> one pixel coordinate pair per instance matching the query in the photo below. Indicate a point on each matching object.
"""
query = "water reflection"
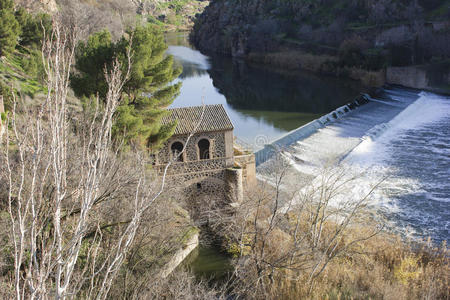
(259, 100)
(259, 88)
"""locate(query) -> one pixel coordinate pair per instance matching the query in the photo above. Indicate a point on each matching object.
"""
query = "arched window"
(203, 148)
(176, 148)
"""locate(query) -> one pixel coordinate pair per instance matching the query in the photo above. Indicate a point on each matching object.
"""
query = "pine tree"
(9, 27)
(32, 27)
(91, 58)
(148, 91)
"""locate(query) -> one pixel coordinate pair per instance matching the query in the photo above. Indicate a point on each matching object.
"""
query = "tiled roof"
(215, 118)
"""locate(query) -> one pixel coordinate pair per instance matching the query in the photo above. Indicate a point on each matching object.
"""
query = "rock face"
(417, 29)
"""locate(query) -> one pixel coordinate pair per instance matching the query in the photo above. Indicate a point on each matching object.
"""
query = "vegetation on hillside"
(147, 93)
(174, 15)
(21, 34)
(116, 15)
(9, 27)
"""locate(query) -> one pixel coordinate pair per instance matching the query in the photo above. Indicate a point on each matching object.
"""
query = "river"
(404, 134)
(260, 101)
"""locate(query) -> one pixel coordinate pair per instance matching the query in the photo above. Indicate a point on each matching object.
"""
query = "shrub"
(351, 51)
(6, 92)
(9, 27)
(32, 65)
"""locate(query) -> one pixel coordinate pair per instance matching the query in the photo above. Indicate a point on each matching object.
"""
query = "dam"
(332, 136)
(400, 135)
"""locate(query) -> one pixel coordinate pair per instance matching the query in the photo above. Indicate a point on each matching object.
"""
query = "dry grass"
(367, 78)
(277, 263)
(385, 268)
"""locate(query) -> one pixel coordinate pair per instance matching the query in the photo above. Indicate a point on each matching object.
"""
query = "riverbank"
(433, 77)
(319, 64)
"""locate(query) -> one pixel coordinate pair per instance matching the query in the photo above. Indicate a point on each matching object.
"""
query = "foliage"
(9, 27)
(147, 92)
(243, 248)
(31, 63)
(355, 52)
(6, 92)
(65, 196)
(174, 15)
(33, 27)
(91, 58)
(407, 270)
(351, 51)
(22, 68)
(21, 72)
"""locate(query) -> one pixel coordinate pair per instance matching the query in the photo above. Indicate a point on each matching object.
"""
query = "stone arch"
(175, 148)
(204, 148)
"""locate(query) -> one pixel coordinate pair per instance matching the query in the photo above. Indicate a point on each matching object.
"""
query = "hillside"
(171, 15)
(368, 35)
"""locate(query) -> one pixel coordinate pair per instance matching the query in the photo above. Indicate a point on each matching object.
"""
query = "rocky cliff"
(368, 34)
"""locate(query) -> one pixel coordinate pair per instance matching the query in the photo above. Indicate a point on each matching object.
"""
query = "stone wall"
(205, 184)
(234, 191)
(187, 169)
(247, 163)
(431, 77)
(218, 147)
(180, 255)
(407, 76)
(199, 177)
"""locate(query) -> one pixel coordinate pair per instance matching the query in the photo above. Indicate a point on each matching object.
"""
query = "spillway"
(399, 134)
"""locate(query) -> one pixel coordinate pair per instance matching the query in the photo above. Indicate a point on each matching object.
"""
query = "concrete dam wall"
(282, 143)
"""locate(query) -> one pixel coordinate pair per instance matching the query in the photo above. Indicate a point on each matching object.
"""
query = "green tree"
(9, 27)
(7, 94)
(149, 89)
(91, 58)
(32, 27)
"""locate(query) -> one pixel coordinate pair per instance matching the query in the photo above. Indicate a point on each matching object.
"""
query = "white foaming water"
(407, 145)
(414, 152)
(336, 140)
(428, 109)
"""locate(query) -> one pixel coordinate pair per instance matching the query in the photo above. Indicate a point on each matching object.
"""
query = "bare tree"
(59, 170)
(281, 237)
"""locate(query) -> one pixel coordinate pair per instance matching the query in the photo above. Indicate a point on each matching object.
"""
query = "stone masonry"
(207, 167)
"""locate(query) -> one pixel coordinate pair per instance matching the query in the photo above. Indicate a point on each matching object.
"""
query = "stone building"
(208, 166)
